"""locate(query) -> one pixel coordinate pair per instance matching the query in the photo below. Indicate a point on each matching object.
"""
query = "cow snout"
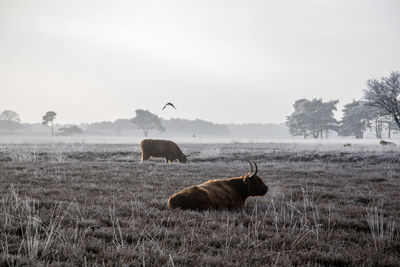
(265, 190)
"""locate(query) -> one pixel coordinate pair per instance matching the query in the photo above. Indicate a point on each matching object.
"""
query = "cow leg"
(144, 157)
(168, 158)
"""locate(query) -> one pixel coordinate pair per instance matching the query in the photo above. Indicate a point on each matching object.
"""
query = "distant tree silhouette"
(101, 125)
(312, 118)
(356, 119)
(146, 120)
(122, 124)
(195, 126)
(11, 117)
(70, 130)
(50, 116)
(384, 94)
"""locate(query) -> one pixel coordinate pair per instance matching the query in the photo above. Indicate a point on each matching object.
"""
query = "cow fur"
(162, 149)
(219, 194)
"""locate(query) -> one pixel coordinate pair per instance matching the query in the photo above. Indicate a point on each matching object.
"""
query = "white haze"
(222, 61)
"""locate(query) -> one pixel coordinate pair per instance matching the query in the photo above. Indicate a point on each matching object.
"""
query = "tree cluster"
(312, 118)
(380, 108)
(9, 119)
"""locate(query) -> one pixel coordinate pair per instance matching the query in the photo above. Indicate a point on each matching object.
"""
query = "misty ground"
(82, 203)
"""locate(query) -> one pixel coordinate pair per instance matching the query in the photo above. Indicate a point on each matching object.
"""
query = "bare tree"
(384, 94)
(50, 116)
(11, 117)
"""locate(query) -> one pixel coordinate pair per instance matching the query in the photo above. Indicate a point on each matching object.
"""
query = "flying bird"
(168, 104)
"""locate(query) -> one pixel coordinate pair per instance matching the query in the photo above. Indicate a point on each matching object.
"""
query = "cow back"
(157, 148)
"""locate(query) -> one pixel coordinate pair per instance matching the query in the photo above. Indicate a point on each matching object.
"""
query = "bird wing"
(168, 104)
(171, 105)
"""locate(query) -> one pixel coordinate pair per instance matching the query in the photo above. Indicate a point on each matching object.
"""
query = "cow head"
(255, 184)
(183, 158)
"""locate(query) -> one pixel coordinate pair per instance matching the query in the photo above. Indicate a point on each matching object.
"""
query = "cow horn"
(255, 172)
(251, 166)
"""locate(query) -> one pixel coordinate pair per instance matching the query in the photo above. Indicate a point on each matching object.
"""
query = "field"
(95, 204)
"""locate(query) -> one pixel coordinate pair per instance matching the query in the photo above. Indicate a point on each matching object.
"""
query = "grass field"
(95, 204)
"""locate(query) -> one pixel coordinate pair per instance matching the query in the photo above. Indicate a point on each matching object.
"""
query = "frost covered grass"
(95, 204)
(184, 138)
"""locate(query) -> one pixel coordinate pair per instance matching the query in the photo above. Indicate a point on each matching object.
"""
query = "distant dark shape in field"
(162, 149)
(221, 193)
(385, 143)
(168, 104)
(346, 145)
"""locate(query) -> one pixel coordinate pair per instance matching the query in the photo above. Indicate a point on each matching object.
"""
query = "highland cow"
(221, 193)
(162, 149)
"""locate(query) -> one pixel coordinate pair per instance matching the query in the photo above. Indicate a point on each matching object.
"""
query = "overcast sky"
(222, 61)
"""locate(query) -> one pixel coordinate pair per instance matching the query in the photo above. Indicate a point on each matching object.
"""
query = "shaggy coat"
(219, 194)
(162, 149)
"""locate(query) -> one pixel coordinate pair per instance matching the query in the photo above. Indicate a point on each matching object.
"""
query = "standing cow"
(220, 194)
(162, 149)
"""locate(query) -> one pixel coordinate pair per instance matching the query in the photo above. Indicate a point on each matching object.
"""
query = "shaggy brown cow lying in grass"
(162, 149)
(220, 194)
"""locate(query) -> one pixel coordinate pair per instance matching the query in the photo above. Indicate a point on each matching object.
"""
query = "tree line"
(10, 120)
(143, 120)
(379, 107)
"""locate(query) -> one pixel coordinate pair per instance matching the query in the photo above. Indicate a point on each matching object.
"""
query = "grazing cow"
(221, 193)
(162, 149)
(348, 144)
(384, 143)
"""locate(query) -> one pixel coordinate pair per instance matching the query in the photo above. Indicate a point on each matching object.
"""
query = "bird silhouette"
(168, 104)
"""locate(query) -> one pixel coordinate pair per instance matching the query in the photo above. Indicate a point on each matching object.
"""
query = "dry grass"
(80, 204)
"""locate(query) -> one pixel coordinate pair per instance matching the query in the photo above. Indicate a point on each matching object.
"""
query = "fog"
(221, 61)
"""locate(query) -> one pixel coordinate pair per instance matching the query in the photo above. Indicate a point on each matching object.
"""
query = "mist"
(225, 62)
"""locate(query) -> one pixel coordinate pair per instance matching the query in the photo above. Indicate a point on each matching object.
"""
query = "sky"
(222, 61)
